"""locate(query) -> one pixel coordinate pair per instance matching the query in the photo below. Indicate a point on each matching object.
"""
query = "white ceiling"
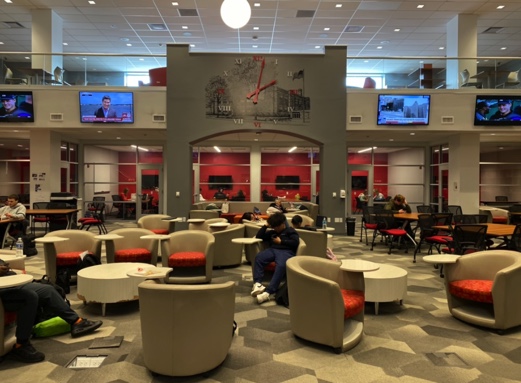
(109, 25)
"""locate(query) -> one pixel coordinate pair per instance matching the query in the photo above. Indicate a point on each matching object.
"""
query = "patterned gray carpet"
(418, 341)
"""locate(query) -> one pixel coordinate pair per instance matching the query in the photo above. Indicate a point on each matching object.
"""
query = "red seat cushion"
(395, 232)
(70, 258)
(160, 231)
(187, 259)
(472, 289)
(443, 239)
(354, 301)
(133, 255)
(371, 226)
(89, 221)
(499, 219)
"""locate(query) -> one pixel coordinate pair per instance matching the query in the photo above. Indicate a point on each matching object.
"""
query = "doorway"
(150, 182)
(359, 180)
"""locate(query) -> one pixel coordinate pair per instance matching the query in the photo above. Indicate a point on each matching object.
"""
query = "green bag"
(51, 327)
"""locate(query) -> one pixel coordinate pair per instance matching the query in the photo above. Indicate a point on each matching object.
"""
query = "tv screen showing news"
(107, 107)
(406, 109)
(498, 110)
(17, 106)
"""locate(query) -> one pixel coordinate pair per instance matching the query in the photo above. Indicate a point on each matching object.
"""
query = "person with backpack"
(25, 301)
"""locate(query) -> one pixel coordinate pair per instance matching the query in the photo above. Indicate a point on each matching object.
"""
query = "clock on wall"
(258, 89)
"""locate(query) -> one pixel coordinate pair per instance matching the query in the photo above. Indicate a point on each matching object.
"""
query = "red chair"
(96, 219)
(389, 228)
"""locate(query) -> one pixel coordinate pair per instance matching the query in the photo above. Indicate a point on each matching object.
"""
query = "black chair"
(514, 214)
(368, 221)
(470, 219)
(467, 239)
(514, 243)
(389, 228)
(454, 210)
(430, 235)
(425, 209)
(95, 219)
(40, 218)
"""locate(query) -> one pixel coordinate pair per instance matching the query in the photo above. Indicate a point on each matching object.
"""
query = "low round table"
(15, 280)
(387, 284)
(109, 283)
(15, 262)
(358, 265)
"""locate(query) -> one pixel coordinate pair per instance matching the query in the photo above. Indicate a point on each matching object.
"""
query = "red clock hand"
(257, 90)
(273, 82)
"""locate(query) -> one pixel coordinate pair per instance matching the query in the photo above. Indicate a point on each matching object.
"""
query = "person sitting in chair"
(220, 194)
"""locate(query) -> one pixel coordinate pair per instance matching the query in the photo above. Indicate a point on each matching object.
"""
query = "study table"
(68, 213)
(493, 229)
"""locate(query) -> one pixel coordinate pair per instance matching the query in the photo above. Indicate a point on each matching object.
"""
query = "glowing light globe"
(235, 13)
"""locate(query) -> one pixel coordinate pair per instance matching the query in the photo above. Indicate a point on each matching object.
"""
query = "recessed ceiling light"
(421, 61)
(254, 46)
(91, 2)
(338, 6)
(100, 131)
(65, 43)
(420, 6)
(366, 61)
(187, 34)
(192, 45)
(327, 29)
(141, 59)
(255, 139)
(317, 46)
(379, 47)
(124, 39)
(129, 45)
(441, 48)
(391, 139)
(503, 48)
(397, 29)
(175, 3)
(27, 58)
(412, 134)
(256, 4)
(255, 28)
(501, 148)
(500, 7)
(8, 1)
(184, 27)
(385, 42)
(84, 58)
(1, 43)
(118, 138)
(292, 149)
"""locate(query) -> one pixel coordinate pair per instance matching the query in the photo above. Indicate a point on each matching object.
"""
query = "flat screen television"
(107, 107)
(359, 182)
(287, 182)
(17, 106)
(498, 110)
(403, 109)
(220, 182)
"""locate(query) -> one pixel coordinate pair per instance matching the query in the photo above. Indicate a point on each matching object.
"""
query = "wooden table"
(493, 229)
(68, 213)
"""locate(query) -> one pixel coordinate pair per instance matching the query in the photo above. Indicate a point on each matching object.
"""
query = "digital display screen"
(497, 110)
(410, 109)
(16, 106)
(107, 107)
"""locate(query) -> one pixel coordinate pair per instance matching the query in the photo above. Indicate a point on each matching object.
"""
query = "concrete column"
(464, 172)
(47, 36)
(45, 164)
(255, 172)
(462, 41)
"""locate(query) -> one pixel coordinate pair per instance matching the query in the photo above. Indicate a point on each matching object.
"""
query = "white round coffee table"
(109, 283)
(387, 284)
(15, 280)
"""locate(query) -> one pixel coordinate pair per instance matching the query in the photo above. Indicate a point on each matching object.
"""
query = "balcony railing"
(393, 72)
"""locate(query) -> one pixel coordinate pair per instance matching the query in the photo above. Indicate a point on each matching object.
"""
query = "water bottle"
(19, 247)
(324, 223)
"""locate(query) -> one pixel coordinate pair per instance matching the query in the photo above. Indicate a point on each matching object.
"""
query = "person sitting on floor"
(25, 301)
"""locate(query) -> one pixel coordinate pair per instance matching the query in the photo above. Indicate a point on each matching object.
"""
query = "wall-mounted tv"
(17, 106)
(359, 182)
(287, 182)
(498, 110)
(107, 107)
(403, 109)
(220, 182)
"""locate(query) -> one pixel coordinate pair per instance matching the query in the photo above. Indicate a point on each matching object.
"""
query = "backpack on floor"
(51, 327)
(29, 245)
(281, 296)
(43, 313)
(87, 260)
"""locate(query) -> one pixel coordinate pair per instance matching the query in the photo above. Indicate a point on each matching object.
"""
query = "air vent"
(355, 119)
(353, 29)
(493, 30)
(157, 27)
(56, 117)
(305, 14)
(188, 12)
(12, 24)
(159, 117)
(447, 120)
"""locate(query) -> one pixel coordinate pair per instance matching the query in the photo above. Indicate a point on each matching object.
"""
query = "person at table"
(13, 210)
(200, 197)
(26, 301)
(282, 241)
(276, 207)
(399, 205)
(482, 109)
(504, 111)
(130, 207)
(297, 223)
(220, 194)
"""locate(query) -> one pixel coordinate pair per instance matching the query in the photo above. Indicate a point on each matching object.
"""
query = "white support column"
(45, 164)
(462, 41)
(47, 36)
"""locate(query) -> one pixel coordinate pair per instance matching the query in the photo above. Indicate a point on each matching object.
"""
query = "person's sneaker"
(84, 327)
(27, 353)
(263, 297)
(257, 289)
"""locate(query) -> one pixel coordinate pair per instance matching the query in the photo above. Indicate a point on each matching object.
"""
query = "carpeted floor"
(415, 342)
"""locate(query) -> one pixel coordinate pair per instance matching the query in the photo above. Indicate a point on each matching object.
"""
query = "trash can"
(350, 223)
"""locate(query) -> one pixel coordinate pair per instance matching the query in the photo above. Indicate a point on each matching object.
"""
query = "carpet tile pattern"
(418, 341)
